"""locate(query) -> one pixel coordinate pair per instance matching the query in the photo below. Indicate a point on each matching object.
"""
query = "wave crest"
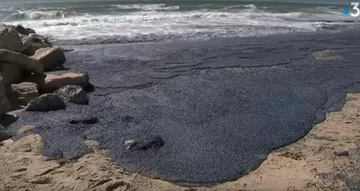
(148, 7)
(38, 15)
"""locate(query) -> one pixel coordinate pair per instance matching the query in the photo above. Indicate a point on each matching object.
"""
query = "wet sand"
(219, 106)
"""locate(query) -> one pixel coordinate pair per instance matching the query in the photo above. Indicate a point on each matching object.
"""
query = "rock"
(129, 144)
(341, 153)
(23, 93)
(4, 104)
(51, 58)
(33, 43)
(144, 143)
(84, 121)
(20, 29)
(55, 82)
(46, 102)
(40, 180)
(26, 63)
(25, 129)
(30, 31)
(9, 39)
(4, 135)
(27, 44)
(11, 73)
(74, 94)
(7, 119)
(39, 79)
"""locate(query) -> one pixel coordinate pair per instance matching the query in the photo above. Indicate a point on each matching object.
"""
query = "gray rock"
(11, 73)
(46, 102)
(4, 135)
(21, 30)
(30, 31)
(52, 58)
(33, 43)
(4, 103)
(9, 39)
(26, 63)
(74, 94)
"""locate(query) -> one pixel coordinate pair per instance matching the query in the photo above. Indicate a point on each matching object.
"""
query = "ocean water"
(145, 21)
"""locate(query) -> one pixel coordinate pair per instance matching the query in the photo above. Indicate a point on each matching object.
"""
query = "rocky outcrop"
(33, 43)
(9, 39)
(46, 102)
(26, 63)
(52, 58)
(24, 56)
(21, 94)
(4, 104)
(74, 94)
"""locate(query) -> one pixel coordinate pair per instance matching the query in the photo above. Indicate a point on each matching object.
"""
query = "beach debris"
(341, 153)
(130, 144)
(52, 58)
(23, 93)
(46, 102)
(74, 94)
(84, 121)
(144, 144)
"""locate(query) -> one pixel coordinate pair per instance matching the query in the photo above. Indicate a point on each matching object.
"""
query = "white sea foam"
(148, 7)
(152, 23)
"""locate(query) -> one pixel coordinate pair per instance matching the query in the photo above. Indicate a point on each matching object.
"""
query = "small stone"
(130, 144)
(25, 129)
(341, 153)
(40, 180)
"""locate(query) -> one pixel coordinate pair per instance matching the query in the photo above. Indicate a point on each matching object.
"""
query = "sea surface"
(144, 21)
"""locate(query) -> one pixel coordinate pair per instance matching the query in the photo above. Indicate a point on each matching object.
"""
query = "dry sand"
(326, 159)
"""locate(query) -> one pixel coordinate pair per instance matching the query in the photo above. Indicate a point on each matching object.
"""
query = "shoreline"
(141, 99)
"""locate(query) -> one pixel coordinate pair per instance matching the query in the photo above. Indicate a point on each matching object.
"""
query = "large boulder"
(51, 58)
(21, 30)
(21, 94)
(4, 104)
(26, 63)
(30, 31)
(9, 39)
(33, 43)
(46, 102)
(74, 94)
(11, 73)
(55, 82)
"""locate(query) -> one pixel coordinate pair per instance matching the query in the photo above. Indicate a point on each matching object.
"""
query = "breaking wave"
(127, 23)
